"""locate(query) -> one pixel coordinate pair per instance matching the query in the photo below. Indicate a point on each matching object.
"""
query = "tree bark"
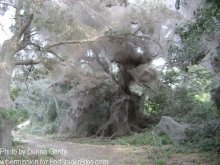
(7, 64)
(5, 137)
(215, 91)
(6, 68)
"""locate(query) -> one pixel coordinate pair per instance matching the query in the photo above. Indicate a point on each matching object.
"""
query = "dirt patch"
(114, 154)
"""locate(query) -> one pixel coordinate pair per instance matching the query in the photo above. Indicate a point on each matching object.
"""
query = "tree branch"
(73, 42)
(23, 45)
(2, 28)
(105, 68)
(55, 54)
(23, 28)
(146, 37)
(27, 62)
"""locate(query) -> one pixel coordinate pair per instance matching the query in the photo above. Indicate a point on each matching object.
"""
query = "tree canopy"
(87, 68)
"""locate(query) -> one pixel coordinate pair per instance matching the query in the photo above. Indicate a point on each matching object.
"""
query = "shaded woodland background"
(90, 68)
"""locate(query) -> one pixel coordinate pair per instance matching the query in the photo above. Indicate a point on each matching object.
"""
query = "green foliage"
(68, 29)
(14, 92)
(160, 155)
(46, 112)
(215, 3)
(133, 140)
(144, 139)
(16, 143)
(209, 137)
(160, 162)
(51, 128)
(215, 162)
(61, 88)
(48, 118)
(136, 140)
(171, 77)
(15, 116)
(170, 103)
(190, 49)
(34, 128)
(185, 96)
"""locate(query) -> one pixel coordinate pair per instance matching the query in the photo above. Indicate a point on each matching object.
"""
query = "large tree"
(7, 64)
(129, 45)
(20, 40)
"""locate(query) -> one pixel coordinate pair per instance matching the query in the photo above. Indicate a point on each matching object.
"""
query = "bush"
(46, 111)
(185, 96)
(208, 138)
(48, 117)
(167, 102)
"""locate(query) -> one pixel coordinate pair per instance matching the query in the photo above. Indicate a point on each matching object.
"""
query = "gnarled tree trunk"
(126, 113)
(125, 116)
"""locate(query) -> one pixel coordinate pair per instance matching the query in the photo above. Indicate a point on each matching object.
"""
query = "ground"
(75, 150)
(114, 154)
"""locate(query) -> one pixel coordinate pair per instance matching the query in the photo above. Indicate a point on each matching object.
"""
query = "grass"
(49, 153)
(159, 149)
(134, 140)
(216, 162)
(160, 162)
(144, 139)
(158, 155)
(16, 143)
